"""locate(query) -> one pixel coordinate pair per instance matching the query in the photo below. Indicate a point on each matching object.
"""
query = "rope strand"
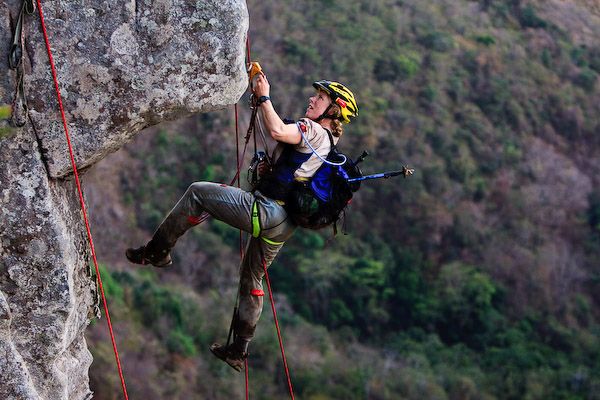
(81, 200)
(239, 166)
(285, 366)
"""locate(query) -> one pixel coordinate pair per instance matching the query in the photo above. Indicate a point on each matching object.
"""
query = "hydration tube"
(317, 154)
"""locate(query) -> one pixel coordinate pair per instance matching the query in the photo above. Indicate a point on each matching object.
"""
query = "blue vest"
(277, 183)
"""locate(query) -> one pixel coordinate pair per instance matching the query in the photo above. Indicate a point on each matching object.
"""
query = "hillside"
(475, 278)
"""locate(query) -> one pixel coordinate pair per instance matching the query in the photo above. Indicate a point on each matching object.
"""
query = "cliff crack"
(135, 17)
(43, 152)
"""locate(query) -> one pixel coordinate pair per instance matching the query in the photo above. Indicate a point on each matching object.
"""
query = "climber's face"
(317, 104)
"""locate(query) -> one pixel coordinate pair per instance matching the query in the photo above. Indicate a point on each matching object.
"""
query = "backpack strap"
(317, 154)
(330, 139)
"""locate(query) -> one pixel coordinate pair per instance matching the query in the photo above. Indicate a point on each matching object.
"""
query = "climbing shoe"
(231, 354)
(143, 255)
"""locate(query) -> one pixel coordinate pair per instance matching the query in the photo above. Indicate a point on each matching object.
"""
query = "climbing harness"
(15, 62)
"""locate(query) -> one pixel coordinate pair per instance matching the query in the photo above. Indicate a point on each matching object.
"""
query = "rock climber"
(261, 212)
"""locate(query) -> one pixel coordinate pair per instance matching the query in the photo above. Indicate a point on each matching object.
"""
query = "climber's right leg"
(226, 203)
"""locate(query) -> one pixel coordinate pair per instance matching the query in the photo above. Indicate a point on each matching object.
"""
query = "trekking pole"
(405, 171)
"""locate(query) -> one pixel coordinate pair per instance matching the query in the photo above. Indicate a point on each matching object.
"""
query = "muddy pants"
(263, 218)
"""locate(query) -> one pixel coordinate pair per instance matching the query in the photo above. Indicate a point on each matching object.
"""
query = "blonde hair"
(336, 125)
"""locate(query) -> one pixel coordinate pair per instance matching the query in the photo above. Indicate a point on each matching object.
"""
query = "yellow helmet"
(340, 95)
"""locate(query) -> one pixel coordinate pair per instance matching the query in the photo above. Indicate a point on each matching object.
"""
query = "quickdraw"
(15, 62)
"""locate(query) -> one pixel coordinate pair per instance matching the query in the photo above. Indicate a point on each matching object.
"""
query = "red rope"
(246, 373)
(248, 56)
(248, 60)
(239, 166)
(287, 372)
(81, 201)
(237, 146)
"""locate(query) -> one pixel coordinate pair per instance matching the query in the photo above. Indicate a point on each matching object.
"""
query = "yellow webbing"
(255, 220)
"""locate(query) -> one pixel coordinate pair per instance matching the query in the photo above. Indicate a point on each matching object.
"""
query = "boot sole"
(145, 261)
(216, 352)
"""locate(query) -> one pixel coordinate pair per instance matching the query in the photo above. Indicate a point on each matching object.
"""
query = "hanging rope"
(287, 372)
(246, 378)
(239, 167)
(81, 201)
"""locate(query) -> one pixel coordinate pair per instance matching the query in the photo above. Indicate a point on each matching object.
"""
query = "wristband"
(262, 99)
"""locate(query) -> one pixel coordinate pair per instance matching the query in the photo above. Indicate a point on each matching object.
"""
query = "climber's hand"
(261, 86)
(263, 168)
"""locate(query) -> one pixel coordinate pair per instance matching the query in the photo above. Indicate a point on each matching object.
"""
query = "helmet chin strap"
(325, 115)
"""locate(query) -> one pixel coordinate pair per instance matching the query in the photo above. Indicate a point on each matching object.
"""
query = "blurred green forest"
(477, 278)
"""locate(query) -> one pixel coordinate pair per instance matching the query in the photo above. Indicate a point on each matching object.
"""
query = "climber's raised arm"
(286, 133)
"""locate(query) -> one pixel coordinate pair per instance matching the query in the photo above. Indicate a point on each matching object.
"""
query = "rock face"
(122, 66)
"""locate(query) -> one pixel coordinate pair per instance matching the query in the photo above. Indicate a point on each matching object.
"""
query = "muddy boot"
(234, 354)
(156, 252)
